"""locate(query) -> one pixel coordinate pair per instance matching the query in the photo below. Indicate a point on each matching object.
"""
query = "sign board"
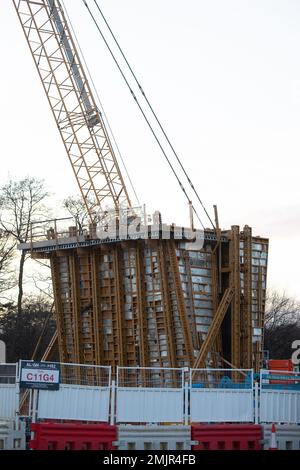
(40, 375)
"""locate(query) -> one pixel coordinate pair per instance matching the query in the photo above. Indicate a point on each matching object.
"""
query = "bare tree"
(21, 203)
(280, 310)
(76, 207)
(7, 278)
(28, 334)
(42, 280)
(282, 324)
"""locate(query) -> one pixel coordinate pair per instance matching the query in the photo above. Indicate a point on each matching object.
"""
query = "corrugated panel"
(75, 402)
(8, 401)
(146, 405)
(279, 406)
(287, 436)
(221, 405)
(154, 437)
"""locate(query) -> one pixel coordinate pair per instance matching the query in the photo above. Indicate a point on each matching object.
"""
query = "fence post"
(112, 402)
(256, 407)
(17, 403)
(34, 410)
(186, 403)
(17, 406)
(30, 402)
(34, 406)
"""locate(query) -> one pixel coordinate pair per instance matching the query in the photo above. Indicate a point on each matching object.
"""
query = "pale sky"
(224, 78)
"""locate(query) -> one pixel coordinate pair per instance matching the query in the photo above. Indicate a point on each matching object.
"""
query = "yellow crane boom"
(74, 108)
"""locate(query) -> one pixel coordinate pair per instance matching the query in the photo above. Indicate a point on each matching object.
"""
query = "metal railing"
(67, 227)
(8, 373)
(150, 377)
(279, 380)
(54, 229)
(84, 374)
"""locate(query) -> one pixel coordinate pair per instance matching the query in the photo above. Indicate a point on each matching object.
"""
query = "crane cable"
(153, 112)
(142, 111)
(102, 112)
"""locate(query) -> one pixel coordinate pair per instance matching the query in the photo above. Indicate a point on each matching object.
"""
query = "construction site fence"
(83, 395)
(279, 397)
(9, 398)
(148, 394)
(137, 395)
(221, 395)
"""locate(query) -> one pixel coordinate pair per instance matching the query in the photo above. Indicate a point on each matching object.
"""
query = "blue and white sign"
(40, 375)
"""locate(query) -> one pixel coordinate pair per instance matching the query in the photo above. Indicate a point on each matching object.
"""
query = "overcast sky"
(224, 78)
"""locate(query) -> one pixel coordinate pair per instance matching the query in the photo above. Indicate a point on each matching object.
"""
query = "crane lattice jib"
(78, 119)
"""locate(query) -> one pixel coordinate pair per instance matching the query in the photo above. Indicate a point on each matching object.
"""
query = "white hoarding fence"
(221, 395)
(149, 395)
(83, 395)
(8, 391)
(279, 397)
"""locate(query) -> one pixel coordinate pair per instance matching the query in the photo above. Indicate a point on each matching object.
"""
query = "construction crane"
(77, 116)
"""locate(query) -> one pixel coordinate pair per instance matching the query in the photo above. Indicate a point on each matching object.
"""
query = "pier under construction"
(156, 302)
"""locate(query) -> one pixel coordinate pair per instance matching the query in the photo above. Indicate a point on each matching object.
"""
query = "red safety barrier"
(281, 365)
(227, 436)
(63, 436)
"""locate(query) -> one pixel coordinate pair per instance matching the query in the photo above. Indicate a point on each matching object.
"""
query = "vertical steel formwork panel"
(246, 308)
(141, 307)
(234, 252)
(167, 313)
(58, 295)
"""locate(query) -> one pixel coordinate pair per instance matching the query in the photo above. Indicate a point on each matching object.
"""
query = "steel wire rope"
(153, 112)
(142, 111)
